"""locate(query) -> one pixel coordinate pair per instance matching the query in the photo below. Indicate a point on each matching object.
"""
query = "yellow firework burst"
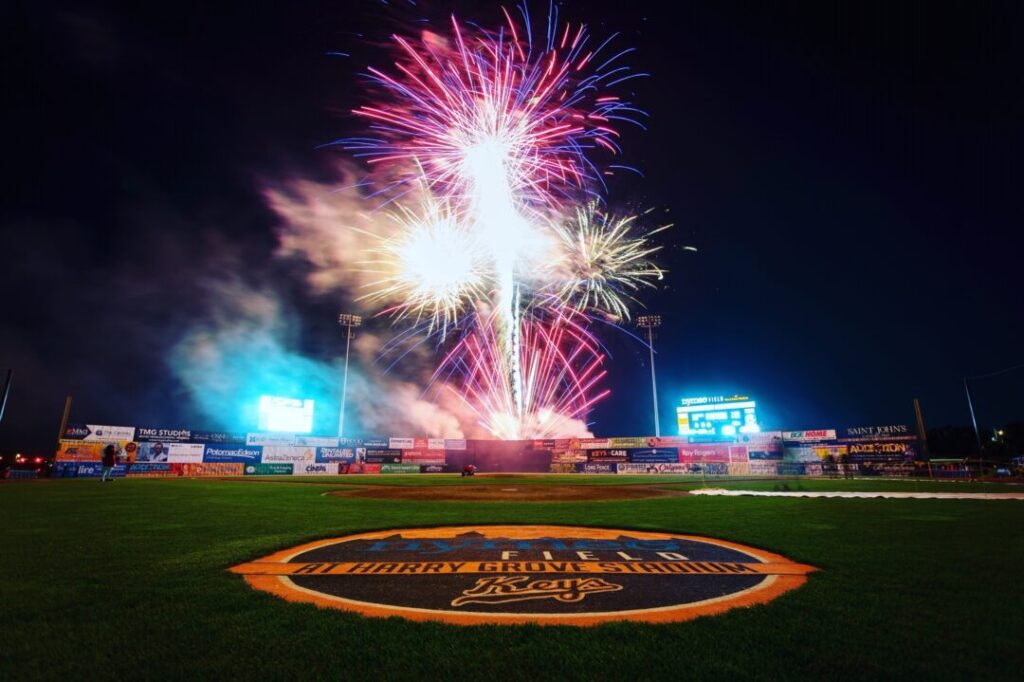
(430, 267)
(604, 261)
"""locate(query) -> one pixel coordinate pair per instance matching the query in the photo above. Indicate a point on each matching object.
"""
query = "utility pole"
(650, 322)
(970, 403)
(348, 322)
(7, 391)
(974, 421)
(64, 421)
(921, 433)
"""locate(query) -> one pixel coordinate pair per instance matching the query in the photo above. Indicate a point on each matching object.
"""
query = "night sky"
(850, 173)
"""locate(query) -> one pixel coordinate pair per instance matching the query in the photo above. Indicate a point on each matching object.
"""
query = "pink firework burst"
(562, 365)
(543, 108)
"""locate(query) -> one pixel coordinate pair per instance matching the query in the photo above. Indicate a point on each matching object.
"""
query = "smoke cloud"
(331, 230)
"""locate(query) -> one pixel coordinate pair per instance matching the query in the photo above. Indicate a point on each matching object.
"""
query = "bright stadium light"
(349, 322)
(650, 322)
(288, 415)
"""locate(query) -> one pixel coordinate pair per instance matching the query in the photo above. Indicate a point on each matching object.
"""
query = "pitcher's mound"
(521, 493)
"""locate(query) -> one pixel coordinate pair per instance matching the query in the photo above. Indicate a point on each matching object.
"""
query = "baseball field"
(130, 580)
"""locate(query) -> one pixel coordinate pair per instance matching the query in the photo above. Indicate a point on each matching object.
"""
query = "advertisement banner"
(79, 451)
(764, 446)
(653, 455)
(595, 443)
(383, 456)
(432, 468)
(352, 443)
(545, 444)
(152, 452)
(182, 453)
(739, 468)
(835, 453)
(653, 468)
(454, 443)
(738, 453)
(596, 467)
(401, 443)
(808, 436)
(705, 438)
(288, 454)
(799, 453)
(608, 455)
(246, 454)
(90, 469)
(316, 441)
(813, 469)
(420, 443)
(347, 455)
(709, 468)
(707, 452)
(666, 441)
(379, 443)
(760, 440)
(218, 437)
(763, 468)
(402, 468)
(99, 432)
(143, 434)
(424, 456)
(270, 438)
(151, 470)
(316, 469)
(435, 444)
(880, 451)
(889, 432)
(359, 468)
(212, 469)
(775, 454)
(275, 469)
(630, 442)
(86, 451)
(569, 456)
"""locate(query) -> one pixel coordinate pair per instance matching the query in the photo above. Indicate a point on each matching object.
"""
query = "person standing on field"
(109, 460)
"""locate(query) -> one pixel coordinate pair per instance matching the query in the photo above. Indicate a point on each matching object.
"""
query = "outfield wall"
(158, 452)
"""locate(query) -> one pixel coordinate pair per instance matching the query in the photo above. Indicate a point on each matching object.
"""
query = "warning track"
(511, 493)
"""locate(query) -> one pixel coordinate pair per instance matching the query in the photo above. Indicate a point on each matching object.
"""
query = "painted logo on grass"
(514, 574)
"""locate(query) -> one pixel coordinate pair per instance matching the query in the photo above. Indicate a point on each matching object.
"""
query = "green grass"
(681, 482)
(128, 580)
(872, 485)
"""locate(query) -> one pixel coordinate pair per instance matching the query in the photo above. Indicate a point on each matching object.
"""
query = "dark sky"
(850, 172)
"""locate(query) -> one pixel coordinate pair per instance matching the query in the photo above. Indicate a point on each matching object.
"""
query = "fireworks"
(431, 267)
(562, 366)
(500, 129)
(603, 264)
(481, 111)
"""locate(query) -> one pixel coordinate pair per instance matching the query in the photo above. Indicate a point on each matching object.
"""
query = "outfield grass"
(680, 482)
(128, 580)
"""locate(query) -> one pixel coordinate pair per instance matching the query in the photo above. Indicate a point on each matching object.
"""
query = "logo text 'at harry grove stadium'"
(515, 574)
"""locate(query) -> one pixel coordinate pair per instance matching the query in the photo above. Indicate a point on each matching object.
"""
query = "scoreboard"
(717, 416)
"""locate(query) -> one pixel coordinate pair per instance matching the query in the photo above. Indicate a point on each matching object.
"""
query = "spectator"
(109, 460)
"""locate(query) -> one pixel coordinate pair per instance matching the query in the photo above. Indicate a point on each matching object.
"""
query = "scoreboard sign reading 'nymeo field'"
(514, 574)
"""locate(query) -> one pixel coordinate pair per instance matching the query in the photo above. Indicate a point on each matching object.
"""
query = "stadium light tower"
(349, 322)
(650, 322)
